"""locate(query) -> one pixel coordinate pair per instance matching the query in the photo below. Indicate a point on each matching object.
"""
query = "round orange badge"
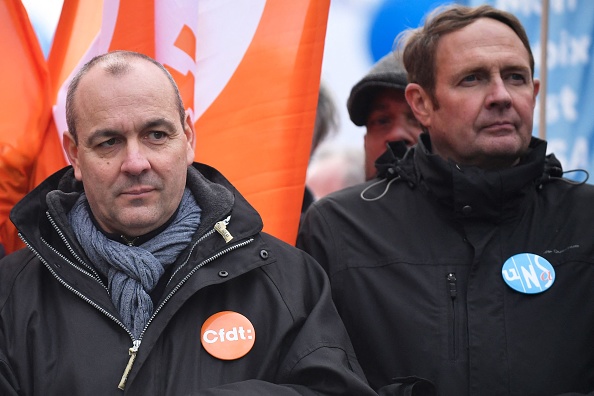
(227, 335)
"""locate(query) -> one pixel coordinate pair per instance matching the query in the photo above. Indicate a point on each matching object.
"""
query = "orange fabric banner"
(249, 72)
(258, 132)
(78, 27)
(24, 113)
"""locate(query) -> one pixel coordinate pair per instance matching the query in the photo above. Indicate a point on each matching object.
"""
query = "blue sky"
(44, 15)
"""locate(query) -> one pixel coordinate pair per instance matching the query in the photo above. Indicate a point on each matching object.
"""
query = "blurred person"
(377, 102)
(326, 121)
(466, 268)
(333, 168)
(325, 125)
(148, 274)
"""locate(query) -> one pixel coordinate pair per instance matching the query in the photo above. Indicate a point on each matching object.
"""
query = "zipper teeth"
(74, 265)
(76, 292)
(196, 268)
(99, 308)
(69, 247)
(102, 310)
(203, 237)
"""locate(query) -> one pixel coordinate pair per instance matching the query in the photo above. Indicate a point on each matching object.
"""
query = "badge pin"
(227, 335)
(528, 273)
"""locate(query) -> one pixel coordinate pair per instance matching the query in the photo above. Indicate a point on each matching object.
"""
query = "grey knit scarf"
(133, 271)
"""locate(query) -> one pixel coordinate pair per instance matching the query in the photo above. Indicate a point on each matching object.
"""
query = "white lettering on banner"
(561, 106)
(520, 7)
(580, 155)
(235, 334)
(568, 100)
(534, 7)
(576, 158)
(561, 6)
(569, 50)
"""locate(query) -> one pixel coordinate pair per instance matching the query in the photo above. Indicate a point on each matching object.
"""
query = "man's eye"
(470, 78)
(379, 121)
(108, 143)
(156, 135)
(517, 77)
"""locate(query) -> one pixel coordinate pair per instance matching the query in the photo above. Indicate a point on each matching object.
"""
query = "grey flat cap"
(388, 72)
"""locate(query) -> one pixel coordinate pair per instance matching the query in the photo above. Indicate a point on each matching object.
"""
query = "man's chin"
(135, 224)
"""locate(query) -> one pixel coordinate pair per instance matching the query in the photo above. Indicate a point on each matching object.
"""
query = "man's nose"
(135, 161)
(498, 95)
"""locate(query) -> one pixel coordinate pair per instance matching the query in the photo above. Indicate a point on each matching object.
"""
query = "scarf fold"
(133, 271)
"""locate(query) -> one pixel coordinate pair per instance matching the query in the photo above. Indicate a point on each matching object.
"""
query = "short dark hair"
(420, 45)
(114, 63)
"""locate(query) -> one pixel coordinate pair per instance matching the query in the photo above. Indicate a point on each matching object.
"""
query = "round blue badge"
(528, 273)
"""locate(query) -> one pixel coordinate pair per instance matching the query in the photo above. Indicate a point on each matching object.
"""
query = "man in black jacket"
(466, 267)
(148, 274)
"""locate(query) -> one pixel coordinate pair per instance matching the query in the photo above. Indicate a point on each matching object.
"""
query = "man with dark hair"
(467, 267)
(148, 274)
(377, 102)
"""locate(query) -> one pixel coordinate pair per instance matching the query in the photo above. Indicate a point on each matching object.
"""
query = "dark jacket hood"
(398, 161)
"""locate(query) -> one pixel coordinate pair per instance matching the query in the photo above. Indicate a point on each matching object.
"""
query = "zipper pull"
(221, 227)
(132, 352)
(452, 283)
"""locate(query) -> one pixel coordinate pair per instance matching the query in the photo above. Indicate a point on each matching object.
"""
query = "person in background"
(377, 102)
(148, 274)
(467, 267)
(334, 168)
(325, 125)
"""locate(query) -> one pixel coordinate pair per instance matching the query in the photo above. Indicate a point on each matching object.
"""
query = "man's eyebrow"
(101, 134)
(109, 133)
(516, 68)
(158, 122)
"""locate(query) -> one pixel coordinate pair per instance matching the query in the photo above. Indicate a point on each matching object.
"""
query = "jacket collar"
(56, 195)
(470, 191)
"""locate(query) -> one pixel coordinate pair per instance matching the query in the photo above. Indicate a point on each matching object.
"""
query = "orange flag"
(78, 27)
(24, 111)
(258, 130)
(249, 73)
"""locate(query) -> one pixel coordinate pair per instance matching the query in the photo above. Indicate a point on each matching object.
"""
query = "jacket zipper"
(453, 292)
(133, 351)
(91, 270)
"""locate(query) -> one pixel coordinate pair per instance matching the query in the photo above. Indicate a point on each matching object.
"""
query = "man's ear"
(190, 133)
(71, 150)
(420, 103)
(536, 84)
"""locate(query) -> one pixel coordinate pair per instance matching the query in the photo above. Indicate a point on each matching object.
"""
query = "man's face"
(133, 153)
(390, 118)
(486, 97)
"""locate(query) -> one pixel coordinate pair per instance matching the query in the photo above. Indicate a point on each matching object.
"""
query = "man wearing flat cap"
(377, 102)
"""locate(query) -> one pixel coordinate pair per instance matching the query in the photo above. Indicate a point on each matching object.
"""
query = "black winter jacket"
(61, 335)
(416, 275)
